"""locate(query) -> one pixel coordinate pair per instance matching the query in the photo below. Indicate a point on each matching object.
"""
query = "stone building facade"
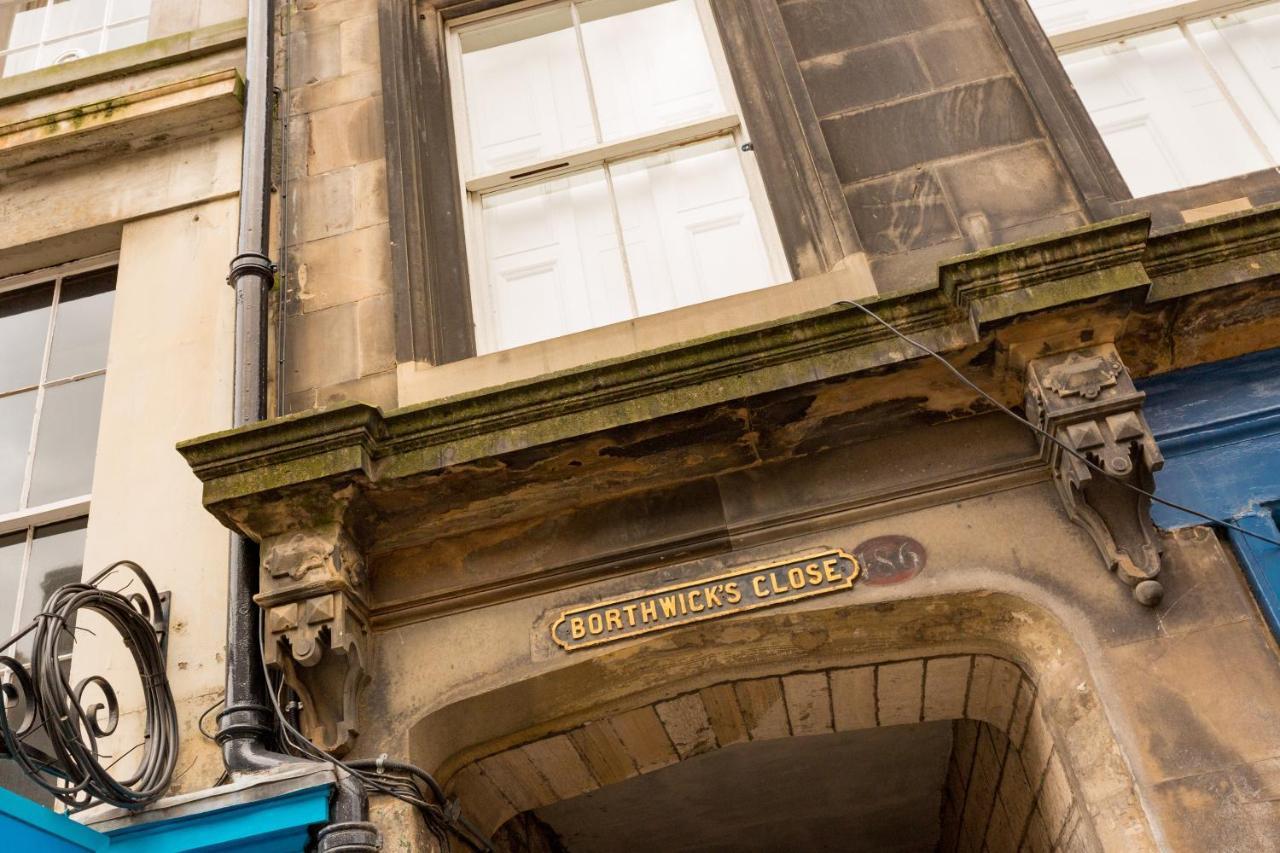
(497, 539)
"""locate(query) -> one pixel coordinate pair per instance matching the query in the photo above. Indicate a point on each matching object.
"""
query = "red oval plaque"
(890, 559)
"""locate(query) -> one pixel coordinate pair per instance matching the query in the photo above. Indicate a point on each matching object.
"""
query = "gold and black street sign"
(708, 598)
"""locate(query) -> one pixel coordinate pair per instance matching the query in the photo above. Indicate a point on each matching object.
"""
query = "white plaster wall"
(169, 377)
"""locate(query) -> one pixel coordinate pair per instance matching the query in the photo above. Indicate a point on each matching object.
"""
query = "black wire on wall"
(1065, 448)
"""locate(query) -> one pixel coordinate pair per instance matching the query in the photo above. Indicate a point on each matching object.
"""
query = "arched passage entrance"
(1022, 754)
(1004, 782)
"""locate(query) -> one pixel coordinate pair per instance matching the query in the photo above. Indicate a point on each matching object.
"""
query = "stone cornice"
(1214, 253)
(996, 287)
(460, 429)
(196, 105)
(1035, 274)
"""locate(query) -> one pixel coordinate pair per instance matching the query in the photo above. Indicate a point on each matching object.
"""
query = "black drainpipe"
(246, 721)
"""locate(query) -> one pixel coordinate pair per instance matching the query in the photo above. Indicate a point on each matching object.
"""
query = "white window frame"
(475, 186)
(1116, 29)
(102, 29)
(26, 518)
(1178, 16)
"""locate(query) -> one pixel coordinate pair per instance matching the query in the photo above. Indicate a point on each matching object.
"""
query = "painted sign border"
(846, 583)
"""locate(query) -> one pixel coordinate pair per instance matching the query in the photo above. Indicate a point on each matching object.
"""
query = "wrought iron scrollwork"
(53, 730)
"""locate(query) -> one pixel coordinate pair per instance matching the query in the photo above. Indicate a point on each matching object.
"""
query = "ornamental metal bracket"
(1086, 400)
(314, 589)
(59, 735)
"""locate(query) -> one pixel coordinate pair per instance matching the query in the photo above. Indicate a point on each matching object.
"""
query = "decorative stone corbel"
(314, 592)
(1087, 400)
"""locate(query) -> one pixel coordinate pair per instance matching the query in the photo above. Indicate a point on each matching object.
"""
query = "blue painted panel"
(1224, 481)
(1261, 562)
(1218, 426)
(1213, 393)
(25, 825)
(278, 825)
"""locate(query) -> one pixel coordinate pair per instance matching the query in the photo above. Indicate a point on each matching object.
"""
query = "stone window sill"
(419, 382)
(125, 62)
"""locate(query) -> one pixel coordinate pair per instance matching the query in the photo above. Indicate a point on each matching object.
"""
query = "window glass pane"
(16, 414)
(123, 35)
(690, 228)
(68, 49)
(66, 441)
(57, 558)
(12, 547)
(38, 34)
(124, 10)
(1161, 114)
(526, 92)
(1244, 48)
(67, 17)
(83, 324)
(552, 261)
(650, 65)
(24, 20)
(19, 62)
(24, 325)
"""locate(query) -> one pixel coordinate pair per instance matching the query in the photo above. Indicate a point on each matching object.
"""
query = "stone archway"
(1009, 675)
(1008, 786)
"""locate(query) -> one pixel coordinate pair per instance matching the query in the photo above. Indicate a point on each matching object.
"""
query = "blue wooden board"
(1218, 426)
(277, 825)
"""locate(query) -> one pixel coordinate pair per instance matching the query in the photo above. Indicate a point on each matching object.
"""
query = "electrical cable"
(204, 715)
(72, 771)
(1071, 451)
(438, 818)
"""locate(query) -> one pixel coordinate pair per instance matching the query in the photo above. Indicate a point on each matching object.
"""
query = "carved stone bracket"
(1087, 400)
(314, 592)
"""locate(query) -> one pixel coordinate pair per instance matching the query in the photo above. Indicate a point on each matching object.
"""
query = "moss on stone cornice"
(1035, 279)
(1034, 274)
(1214, 253)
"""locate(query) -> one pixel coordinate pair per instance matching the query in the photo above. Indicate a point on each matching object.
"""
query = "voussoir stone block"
(559, 762)
(945, 682)
(898, 692)
(643, 736)
(725, 714)
(853, 698)
(687, 724)
(808, 703)
(603, 752)
(763, 708)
